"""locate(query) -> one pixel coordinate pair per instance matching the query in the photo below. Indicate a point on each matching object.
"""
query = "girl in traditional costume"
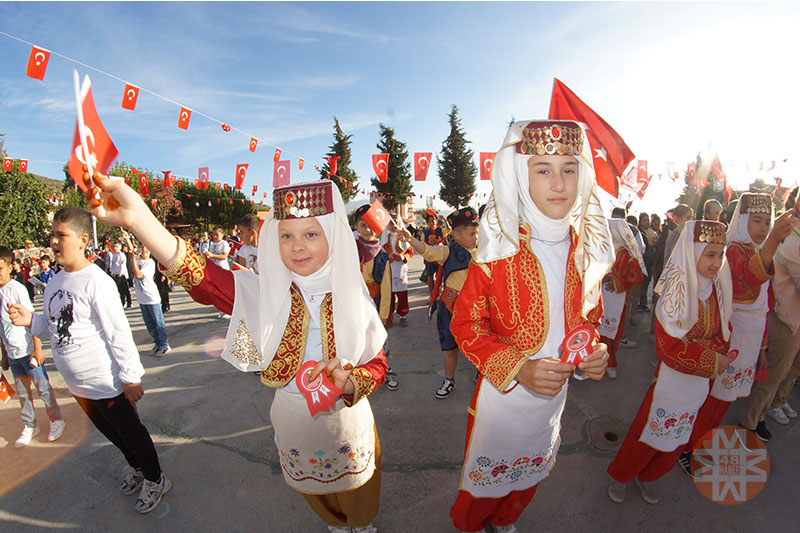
(309, 304)
(692, 334)
(543, 251)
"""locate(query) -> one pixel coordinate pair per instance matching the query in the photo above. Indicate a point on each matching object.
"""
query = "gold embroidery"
(326, 328)
(188, 267)
(363, 384)
(292, 348)
(244, 349)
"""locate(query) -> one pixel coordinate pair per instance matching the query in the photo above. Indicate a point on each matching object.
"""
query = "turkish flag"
(179, 183)
(487, 162)
(129, 96)
(226, 187)
(241, 171)
(197, 182)
(253, 144)
(102, 151)
(377, 217)
(127, 180)
(265, 194)
(144, 187)
(610, 153)
(7, 162)
(23, 165)
(202, 177)
(183, 118)
(277, 155)
(37, 62)
(332, 164)
(255, 189)
(380, 163)
(692, 172)
(300, 164)
(422, 162)
(168, 180)
(716, 168)
(641, 171)
(218, 185)
(280, 173)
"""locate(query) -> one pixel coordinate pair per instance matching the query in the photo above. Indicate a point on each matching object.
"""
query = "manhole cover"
(606, 434)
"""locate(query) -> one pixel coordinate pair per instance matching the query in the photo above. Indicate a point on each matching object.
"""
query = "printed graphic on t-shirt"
(60, 309)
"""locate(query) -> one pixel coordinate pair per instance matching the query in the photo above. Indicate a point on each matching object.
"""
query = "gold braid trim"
(292, 348)
(326, 328)
(188, 267)
(363, 385)
(758, 268)
(501, 368)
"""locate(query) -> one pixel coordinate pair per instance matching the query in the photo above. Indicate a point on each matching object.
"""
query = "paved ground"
(212, 430)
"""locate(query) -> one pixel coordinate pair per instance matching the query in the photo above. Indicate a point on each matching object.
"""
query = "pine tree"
(347, 179)
(25, 208)
(457, 170)
(397, 188)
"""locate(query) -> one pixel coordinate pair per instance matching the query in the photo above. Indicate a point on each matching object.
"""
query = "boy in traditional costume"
(544, 249)
(692, 335)
(452, 262)
(309, 305)
(400, 252)
(432, 235)
(627, 272)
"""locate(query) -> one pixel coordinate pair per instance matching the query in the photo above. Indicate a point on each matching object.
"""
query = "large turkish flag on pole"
(422, 162)
(487, 160)
(380, 163)
(100, 148)
(610, 153)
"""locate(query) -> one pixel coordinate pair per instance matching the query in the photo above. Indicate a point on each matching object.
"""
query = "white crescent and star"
(184, 115)
(131, 94)
(601, 154)
(39, 58)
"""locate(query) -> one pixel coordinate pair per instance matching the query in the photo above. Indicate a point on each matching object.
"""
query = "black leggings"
(124, 289)
(118, 420)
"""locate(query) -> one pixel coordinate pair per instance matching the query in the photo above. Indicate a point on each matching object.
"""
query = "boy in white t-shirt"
(144, 271)
(23, 354)
(93, 349)
(247, 254)
(218, 249)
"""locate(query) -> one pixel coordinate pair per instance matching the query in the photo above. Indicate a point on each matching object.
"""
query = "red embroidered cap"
(303, 200)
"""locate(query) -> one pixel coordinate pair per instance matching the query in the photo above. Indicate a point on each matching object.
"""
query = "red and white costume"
(691, 331)
(534, 279)
(627, 272)
(399, 255)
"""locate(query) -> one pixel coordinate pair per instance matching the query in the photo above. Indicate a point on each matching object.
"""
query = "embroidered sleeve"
(497, 361)
(626, 271)
(386, 292)
(436, 254)
(757, 271)
(690, 357)
(205, 282)
(366, 378)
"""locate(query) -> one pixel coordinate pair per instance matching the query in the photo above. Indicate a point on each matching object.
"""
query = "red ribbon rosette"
(320, 394)
(577, 345)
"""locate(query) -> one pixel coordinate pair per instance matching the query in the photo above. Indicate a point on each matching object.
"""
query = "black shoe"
(685, 462)
(762, 432)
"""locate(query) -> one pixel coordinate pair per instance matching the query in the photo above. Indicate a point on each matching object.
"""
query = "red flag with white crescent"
(202, 177)
(218, 186)
(377, 217)
(197, 182)
(144, 187)
(300, 164)
(241, 171)
(280, 173)
(37, 62)
(168, 180)
(226, 186)
(422, 162)
(7, 162)
(255, 190)
(130, 96)
(23, 165)
(487, 161)
(179, 183)
(183, 118)
(641, 171)
(332, 163)
(380, 163)
(253, 144)
(277, 156)
(102, 151)
(609, 152)
(692, 174)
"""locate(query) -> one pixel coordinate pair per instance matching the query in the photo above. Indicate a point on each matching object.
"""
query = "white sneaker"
(339, 529)
(611, 372)
(369, 528)
(511, 528)
(161, 352)
(648, 490)
(224, 315)
(133, 480)
(616, 490)
(151, 494)
(778, 415)
(446, 388)
(788, 411)
(56, 430)
(625, 343)
(25, 437)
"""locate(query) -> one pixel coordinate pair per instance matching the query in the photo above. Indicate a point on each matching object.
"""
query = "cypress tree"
(397, 188)
(457, 169)
(348, 179)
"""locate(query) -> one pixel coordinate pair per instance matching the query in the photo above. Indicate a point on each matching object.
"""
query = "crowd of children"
(509, 287)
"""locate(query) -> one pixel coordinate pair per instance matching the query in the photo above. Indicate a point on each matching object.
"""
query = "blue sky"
(672, 78)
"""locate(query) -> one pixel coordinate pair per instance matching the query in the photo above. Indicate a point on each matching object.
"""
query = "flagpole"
(94, 231)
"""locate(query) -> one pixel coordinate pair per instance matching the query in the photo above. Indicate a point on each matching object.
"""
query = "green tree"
(25, 208)
(457, 170)
(341, 148)
(397, 188)
(213, 207)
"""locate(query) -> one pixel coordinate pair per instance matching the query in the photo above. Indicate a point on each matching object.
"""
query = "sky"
(673, 78)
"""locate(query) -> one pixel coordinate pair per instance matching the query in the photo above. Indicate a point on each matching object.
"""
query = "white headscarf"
(622, 237)
(738, 231)
(680, 287)
(510, 204)
(264, 301)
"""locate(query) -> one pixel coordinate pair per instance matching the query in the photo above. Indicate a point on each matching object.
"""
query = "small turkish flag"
(280, 173)
(218, 185)
(23, 165)
(380, 163)
(377, 217)
(37, 62)
(300, 164)
(422, 162)
(129, 96)
(226, 186)
(265, 194)
(102, 151)
(7, 162)
(255, 189)
(487, 161)
(144, 187)
(332, 164)
(277, 156)
(225, 127)
(183, 118)
(692, 171)
(241, 171)
(179, 183)
(253, 144)
(197, 182)
(641, 171)
(156, 182)
(168, 180)
(202, 177)
(230, 202)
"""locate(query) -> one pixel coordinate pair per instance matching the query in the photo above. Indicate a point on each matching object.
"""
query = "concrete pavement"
(212, 429)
